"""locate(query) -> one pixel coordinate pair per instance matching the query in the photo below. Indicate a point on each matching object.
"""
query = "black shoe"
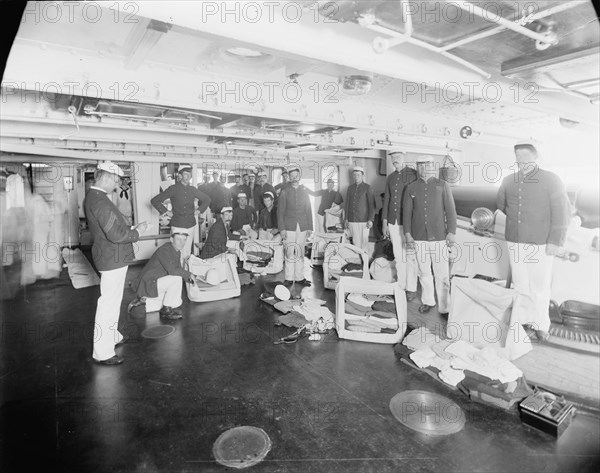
(138, 301)
(425, 308)
(411, 295)
(112, 361)
(170, 313)
(123, 341)
(305, 282)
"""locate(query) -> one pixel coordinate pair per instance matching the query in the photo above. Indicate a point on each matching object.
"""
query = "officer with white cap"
(294, 220)
(183, 196)
(360, 209)
(160, 282)
(429, 223)
(243, 214)
(395, 190)
(267, 219)
(537, 216)
(219, 233)
(112, 252)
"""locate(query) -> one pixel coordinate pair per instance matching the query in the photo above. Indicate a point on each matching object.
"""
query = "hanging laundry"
(15, 192)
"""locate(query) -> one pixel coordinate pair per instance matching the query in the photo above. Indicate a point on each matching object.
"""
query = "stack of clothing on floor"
(371, 313)
(480, 373)
(343, 261)
(299, 312)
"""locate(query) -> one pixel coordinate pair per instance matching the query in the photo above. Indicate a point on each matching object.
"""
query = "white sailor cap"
(358, 169)
(241, 194)
(425, 159)
(292, 168)
(184, 168)
(226, 209)
(109, 166)
(268, 194)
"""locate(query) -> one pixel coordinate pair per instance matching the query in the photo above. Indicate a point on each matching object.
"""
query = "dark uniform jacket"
(166, 261)
(360, 203)
(182, 202)
(258, 193)
(327, 199)
(267, 220)
(429, 212)
(220, 197)
(239, 189)
(216, 241)
(113, 236)
(536, 207)
(293, 207)
(241, 217)
(395, 190)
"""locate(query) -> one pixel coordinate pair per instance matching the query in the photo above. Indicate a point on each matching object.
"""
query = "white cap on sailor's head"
(184, 168)
(268, 194)
(110, 167)
(293, 167)
(425, 159)
(226, 209)
(358, 169)
(241, 194)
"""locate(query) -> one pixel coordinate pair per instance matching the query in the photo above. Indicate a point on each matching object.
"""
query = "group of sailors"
(419, 217)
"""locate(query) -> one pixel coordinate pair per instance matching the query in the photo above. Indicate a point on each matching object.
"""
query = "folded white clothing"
(379, 321)
(420, 338)
(422, 358)
(451, 376)
(360, 299)
(312, 310)
(362, 328)
(440, 349)
(484, 362)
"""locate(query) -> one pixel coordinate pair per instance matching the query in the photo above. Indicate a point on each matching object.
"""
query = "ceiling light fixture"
(245, 52)
(355, 84)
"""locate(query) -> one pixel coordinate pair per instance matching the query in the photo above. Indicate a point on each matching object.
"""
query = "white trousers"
(187, 249)
(321, 223)
(360, 235)
(531, 270)
(434, 254)
(169, 293)
(294, 247)
(406, 261)
(108, 309)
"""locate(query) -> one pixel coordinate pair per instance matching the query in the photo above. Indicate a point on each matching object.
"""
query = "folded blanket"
(366, 329)
(335, 275)
(374, 320)
(384, 306)
(349, 267)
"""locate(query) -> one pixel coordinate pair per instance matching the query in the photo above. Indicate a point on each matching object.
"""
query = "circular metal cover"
(241, 447)
(427, 412)
(482, 218)
(159, 331)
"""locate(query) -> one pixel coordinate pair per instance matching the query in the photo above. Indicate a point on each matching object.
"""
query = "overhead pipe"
(381, 45)
(511, 25)
(526, 18)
